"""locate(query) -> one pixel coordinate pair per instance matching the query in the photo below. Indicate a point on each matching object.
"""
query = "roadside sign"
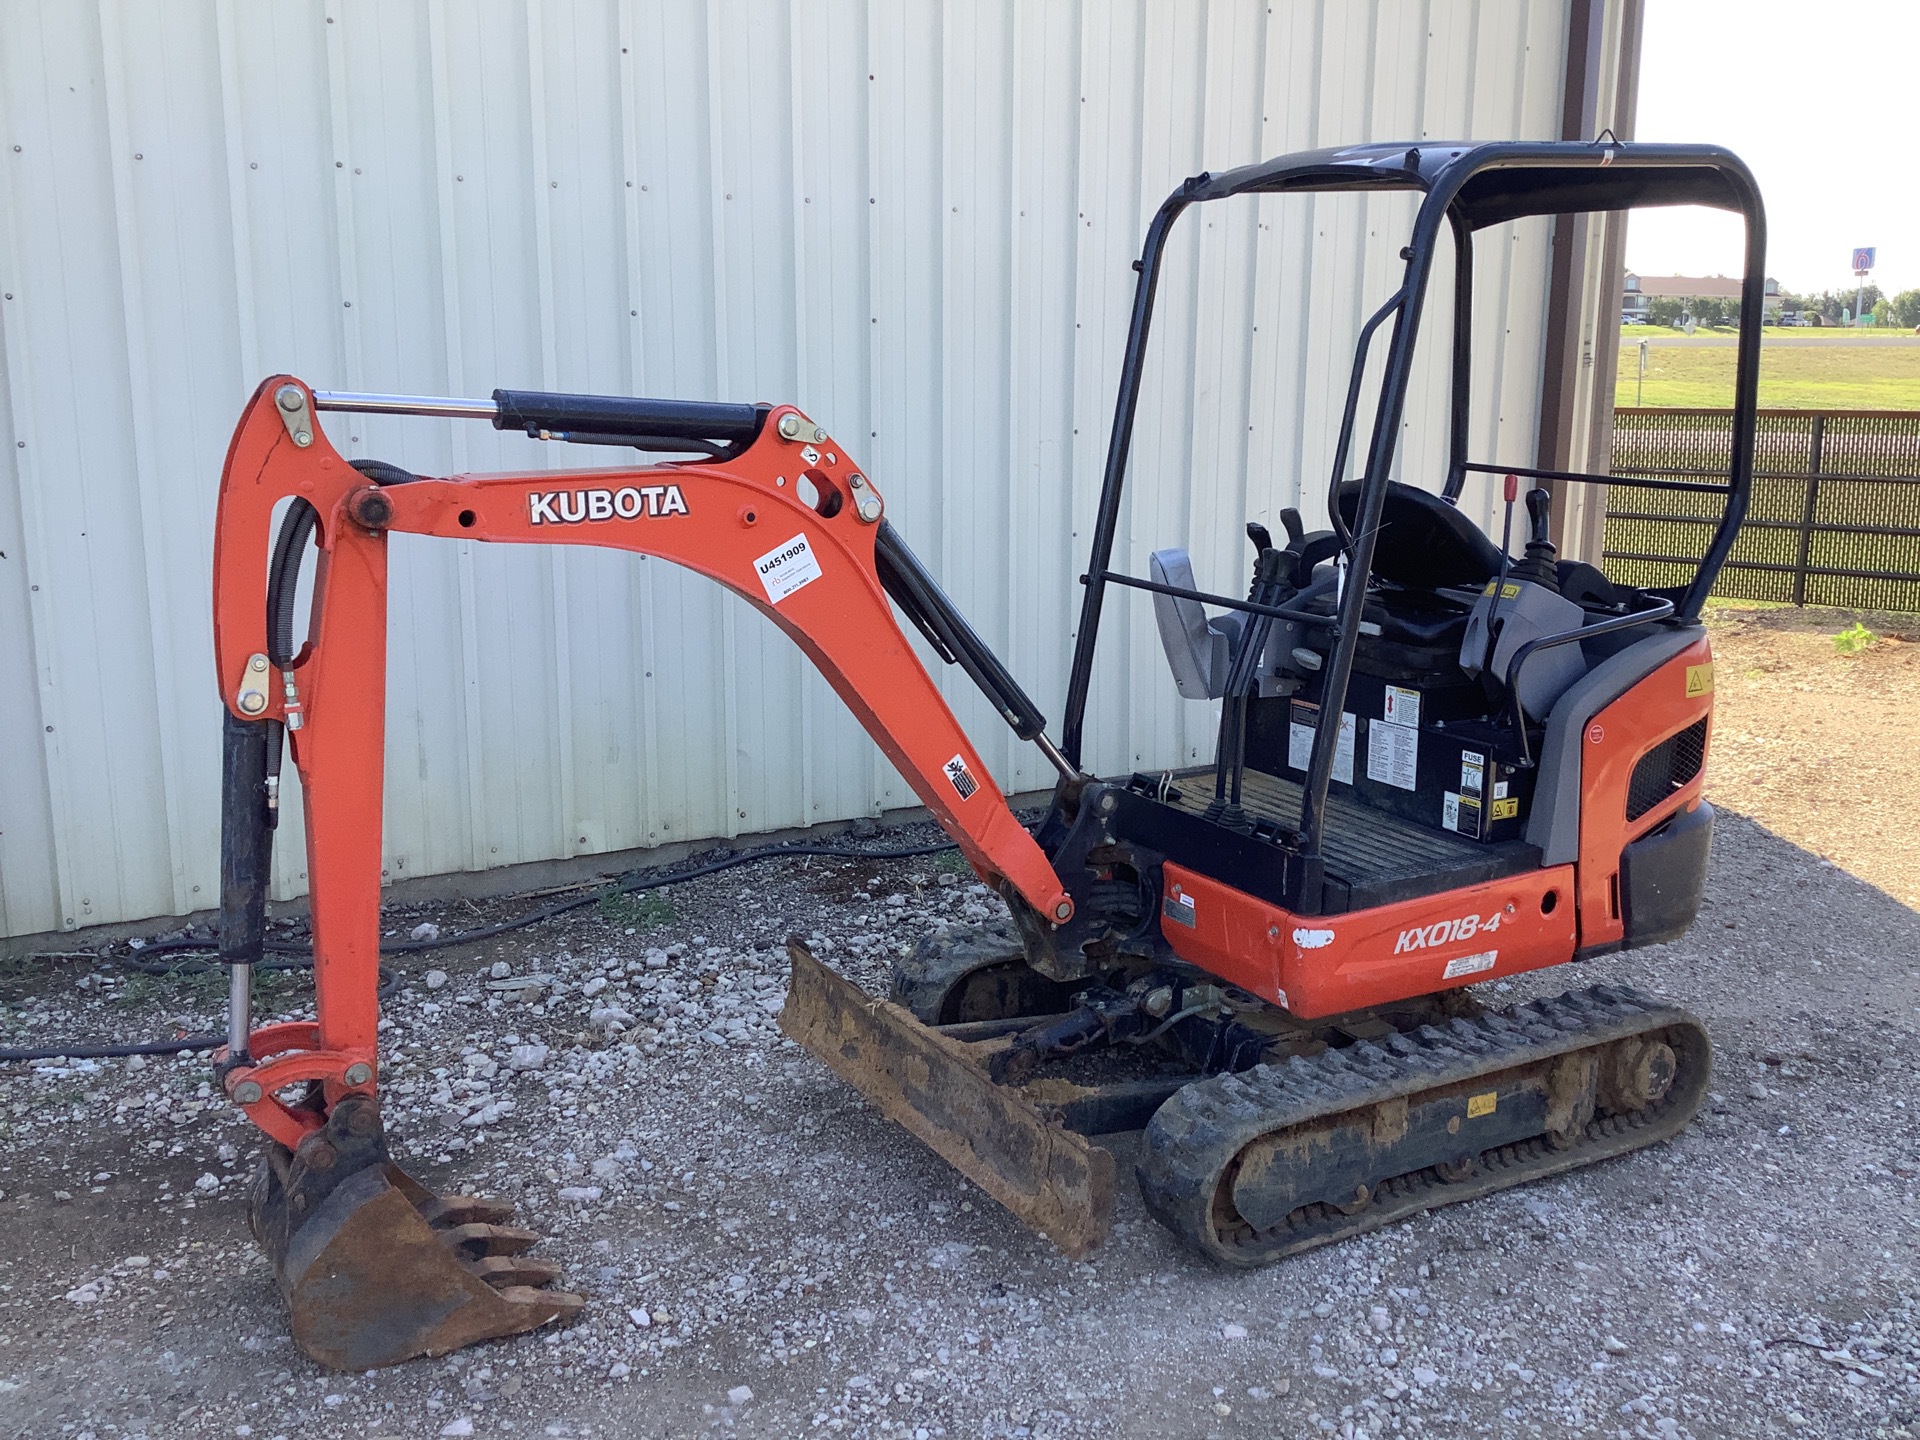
(1863, 258)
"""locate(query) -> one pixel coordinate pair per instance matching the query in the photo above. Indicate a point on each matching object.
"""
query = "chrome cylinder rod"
(404, 405)
(239, 1010)
(1068, 770)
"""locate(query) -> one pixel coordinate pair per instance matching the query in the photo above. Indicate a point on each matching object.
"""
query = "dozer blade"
(931, 1085)
(375, 1268)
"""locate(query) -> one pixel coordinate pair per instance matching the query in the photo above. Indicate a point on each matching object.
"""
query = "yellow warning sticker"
(1700, 679)
(1506, 809)
(1478, 1105)
(1508, 591)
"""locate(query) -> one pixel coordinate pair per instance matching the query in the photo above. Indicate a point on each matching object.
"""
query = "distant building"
(1637, 290)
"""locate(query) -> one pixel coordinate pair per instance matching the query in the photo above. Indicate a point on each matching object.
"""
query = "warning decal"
(1700, 679)
(1403, 706)
(1301, 721)
(1393, 754)
(1461, 814)
(957, 773)
(785, 568)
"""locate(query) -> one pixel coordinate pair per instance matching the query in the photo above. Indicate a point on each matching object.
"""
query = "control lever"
(1511, 491)
(1538, 566)
(1291, 523)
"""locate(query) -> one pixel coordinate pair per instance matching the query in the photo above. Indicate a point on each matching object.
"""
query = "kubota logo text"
(630, 502)
(1446, 932)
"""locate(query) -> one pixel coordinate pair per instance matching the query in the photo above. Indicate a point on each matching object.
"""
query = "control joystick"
(1538, 566)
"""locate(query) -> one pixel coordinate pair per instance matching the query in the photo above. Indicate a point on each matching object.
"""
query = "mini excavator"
(1437, 764)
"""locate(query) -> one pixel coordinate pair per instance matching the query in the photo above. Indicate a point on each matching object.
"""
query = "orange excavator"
(1438, 763)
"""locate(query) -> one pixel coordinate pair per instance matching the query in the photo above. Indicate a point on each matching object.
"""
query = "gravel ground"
(765, 1256)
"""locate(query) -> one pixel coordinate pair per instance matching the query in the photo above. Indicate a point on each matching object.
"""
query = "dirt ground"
(1818, 745)
(765, 1256)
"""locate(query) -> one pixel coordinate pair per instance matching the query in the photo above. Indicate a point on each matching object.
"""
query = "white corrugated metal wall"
(915, 220)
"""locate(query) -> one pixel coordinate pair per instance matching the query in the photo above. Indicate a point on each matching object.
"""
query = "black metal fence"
(1835, 512)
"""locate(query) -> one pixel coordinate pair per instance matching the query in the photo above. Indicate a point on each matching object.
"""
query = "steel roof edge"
(1647, 174)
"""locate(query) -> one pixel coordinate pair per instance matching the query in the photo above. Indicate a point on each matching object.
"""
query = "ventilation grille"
(1665, 768)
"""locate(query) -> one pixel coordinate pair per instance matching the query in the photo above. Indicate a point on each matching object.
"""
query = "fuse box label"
(1473, 767)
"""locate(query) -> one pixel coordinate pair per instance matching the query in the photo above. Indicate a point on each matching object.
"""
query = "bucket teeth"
(501, 1271)
(478, 1239)
(465, 1210)
(563, 1305)
(376, 1268)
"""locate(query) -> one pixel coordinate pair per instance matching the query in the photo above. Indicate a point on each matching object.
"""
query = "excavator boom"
(774, 509)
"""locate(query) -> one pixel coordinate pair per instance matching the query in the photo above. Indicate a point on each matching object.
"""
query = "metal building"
(914, 219)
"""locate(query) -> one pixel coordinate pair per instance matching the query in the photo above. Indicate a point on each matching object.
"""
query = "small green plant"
(635, 911)
(1855, 638)
(204, 985)
(953, 862)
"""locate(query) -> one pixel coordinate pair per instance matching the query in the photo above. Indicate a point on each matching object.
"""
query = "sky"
(1823, 106)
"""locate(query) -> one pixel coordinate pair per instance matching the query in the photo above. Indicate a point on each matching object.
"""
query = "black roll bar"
(1348, 411)
(1467, 187)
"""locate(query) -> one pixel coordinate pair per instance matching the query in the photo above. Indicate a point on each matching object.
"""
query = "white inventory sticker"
(785, 568)
(1393, 753)
(1300, 744)
(1403, 706)
(1469, 964)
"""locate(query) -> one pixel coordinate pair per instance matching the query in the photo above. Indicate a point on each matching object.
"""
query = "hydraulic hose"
(302, 952)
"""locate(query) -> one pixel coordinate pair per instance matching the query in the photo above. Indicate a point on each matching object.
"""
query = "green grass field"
(1868, 375)
(1770, 332)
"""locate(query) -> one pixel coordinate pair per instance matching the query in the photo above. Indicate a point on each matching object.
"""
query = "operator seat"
(1425, 543)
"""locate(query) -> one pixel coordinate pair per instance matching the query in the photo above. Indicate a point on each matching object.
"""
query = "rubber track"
(1194, 1138)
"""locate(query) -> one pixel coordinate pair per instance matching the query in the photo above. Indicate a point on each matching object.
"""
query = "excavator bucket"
(375, 1268)
(934, 1086)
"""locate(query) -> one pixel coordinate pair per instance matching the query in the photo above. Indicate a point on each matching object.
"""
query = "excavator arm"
(775, 510)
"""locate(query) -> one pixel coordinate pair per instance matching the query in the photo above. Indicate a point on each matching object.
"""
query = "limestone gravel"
(764, 1255)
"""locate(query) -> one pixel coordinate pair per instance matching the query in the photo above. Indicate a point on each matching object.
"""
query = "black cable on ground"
(206, 1040)
(626, 885)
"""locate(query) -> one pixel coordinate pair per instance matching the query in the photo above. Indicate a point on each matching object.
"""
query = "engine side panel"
(1677, 695)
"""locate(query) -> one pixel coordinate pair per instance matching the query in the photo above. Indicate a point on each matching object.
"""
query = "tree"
(1906, 309)
(1832, 303)
(1804, 304)
(1664, 310)
(1707, 310)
